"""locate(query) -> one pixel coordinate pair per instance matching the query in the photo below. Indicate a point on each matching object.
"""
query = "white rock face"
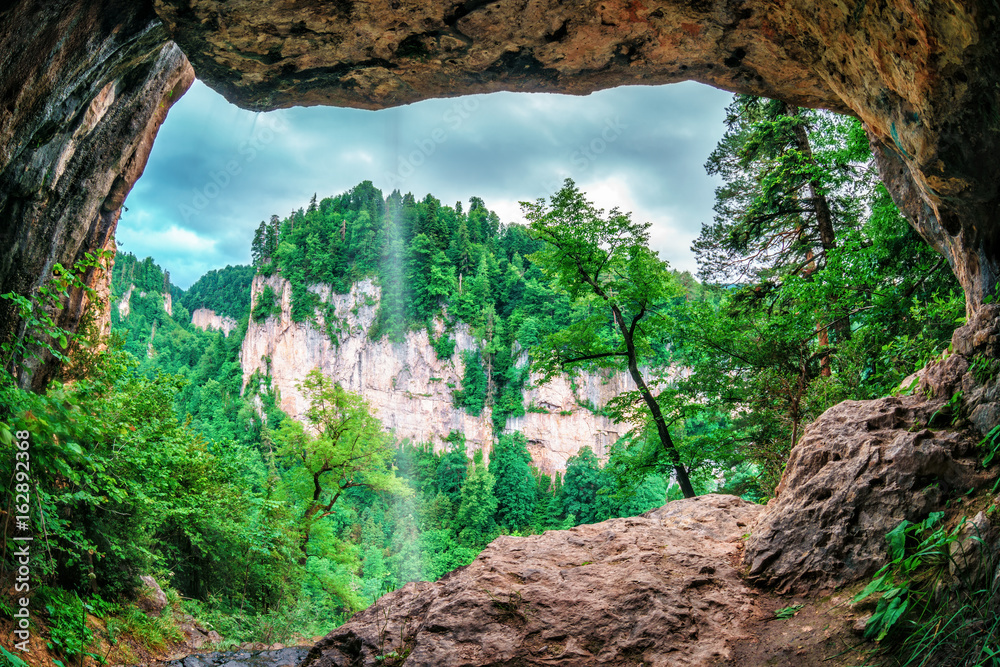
(206, 319)
(125, 305)
(409, 388)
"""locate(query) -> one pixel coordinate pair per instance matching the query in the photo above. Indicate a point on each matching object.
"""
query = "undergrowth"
(938, 597)
(284, 624)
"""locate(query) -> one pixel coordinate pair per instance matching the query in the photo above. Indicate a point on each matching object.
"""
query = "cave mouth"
(216, 170)
(87, 87)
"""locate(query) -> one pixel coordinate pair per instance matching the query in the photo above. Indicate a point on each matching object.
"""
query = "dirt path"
(821, 632)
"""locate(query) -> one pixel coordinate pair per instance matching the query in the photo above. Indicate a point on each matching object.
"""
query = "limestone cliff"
(206, 319)
(410, 388)
(125, 305)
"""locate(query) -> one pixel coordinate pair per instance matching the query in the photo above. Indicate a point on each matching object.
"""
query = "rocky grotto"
(86, 84)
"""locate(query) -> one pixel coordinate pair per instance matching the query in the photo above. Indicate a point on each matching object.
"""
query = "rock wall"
(84, 88)
(206, 319)
(125, 305)
(409, 387)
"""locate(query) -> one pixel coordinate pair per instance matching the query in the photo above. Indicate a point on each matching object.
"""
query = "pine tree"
(474, 520)
(515, 486)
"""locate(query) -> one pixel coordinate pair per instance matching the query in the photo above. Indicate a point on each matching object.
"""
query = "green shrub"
(68, 631)
(267, 305)
(927, 615)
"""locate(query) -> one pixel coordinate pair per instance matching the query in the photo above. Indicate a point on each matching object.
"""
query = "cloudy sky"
(216, 170)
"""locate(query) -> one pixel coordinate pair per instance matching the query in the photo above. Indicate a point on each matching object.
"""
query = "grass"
(937, 598)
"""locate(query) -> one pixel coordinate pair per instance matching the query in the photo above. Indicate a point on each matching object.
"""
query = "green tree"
(475, 384)
(478, 506)
(604, 263)
(348, 450)
(584, 488)
(452, 471)
(515, 487)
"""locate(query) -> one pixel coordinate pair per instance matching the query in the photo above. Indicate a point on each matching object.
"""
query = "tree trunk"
(824, 224)
(654, 408)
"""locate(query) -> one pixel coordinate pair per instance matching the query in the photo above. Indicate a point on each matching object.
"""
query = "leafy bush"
(472, 396)
(68, 631)
(444, 347)
(267, 305)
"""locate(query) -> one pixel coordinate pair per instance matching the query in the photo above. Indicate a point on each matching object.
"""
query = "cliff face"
(409, 387)
(206, 319)
(85, 87)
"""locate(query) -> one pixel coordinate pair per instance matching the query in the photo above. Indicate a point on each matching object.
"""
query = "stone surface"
(125, 305)
(973, 557)
(206, 319)
(657, 590)
(857, 471)
(151, 599)
(410, 388)
(85, 87)
(921, 75)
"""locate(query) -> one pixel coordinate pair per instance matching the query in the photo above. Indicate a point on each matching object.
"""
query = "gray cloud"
(216, 171)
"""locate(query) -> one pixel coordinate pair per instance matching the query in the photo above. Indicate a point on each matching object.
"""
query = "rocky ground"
(659, 589)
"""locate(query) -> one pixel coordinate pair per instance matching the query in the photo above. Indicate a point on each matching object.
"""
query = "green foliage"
(618, 287)
(434, 265)
(983, 368)
(444, 347)
(475, 518)
(267, 305)
(152, 632)
(928, 619)
(68, 632)
(472, 395)
(12, 660)
(584, 490)
(40, 334)
(157, 458)
(788, 612)
(143, 275)
(826, 292)
(349, 450)
(225, 291)
(515, 487)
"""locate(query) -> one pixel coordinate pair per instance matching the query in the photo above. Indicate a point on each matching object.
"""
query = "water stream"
(286, 657)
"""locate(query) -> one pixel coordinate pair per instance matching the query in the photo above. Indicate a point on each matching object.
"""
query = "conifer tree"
(474, 520)
(515, 486)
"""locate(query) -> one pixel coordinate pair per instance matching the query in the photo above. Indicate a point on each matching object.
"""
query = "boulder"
(859, 470)
(659, 589)
(152, 599)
